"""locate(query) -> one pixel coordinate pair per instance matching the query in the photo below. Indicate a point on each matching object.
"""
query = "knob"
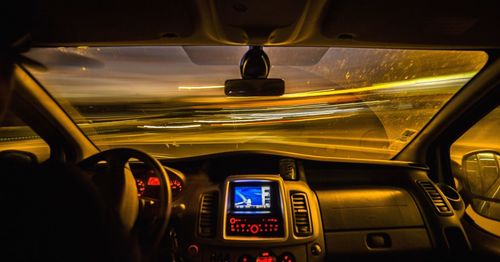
(193, 250)
(254, 229)
(316, 249)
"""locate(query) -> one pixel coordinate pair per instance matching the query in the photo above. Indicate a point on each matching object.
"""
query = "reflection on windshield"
(339, 102)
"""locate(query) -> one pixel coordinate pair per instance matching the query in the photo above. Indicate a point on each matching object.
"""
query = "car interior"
(238, 130)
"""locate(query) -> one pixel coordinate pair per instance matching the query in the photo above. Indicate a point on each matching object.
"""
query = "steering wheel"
(116, 183)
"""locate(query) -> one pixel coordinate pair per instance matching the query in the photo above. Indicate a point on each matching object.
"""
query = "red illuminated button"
(266, 257)
(232, 220)
(245, 258)
(254, 229)
(286, 257)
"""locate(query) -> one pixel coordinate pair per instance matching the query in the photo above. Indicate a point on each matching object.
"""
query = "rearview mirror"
(254, 87)
(481, 170)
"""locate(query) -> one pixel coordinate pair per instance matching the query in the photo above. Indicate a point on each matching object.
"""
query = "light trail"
(170, 127)
(198, 87)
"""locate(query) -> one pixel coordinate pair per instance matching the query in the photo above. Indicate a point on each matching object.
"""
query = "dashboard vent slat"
(435, 198)
(301, 215)
(207, 220)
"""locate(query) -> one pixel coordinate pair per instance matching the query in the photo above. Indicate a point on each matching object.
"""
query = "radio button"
(286, 257)
(254, 229)
(266, 257)
(245, 258)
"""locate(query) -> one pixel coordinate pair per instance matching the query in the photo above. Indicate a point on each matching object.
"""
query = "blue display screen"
(252, 197)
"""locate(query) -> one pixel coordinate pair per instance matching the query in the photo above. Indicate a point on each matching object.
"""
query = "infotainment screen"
(253, 197)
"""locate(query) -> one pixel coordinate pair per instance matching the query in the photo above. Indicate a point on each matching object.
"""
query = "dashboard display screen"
(253, 197)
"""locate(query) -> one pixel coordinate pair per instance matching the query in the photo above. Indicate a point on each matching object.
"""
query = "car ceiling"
(354, 23)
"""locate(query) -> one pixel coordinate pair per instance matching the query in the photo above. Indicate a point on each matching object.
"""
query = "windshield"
(169, 100)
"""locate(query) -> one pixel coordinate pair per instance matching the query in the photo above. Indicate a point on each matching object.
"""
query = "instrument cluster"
(148, 184)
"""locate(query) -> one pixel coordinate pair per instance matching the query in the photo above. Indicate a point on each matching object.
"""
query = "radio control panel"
(254, 226)
(258, 218)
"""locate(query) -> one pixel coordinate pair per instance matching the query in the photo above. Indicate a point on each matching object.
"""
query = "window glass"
(16, 135)
(358, 103)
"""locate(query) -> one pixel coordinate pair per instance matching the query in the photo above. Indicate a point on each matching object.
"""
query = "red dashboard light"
(254, 229)
(153, 181)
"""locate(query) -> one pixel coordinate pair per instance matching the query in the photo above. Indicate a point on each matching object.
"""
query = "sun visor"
(94, 21)
(395, 23)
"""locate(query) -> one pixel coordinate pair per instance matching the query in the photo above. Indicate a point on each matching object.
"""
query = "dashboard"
(277, 208)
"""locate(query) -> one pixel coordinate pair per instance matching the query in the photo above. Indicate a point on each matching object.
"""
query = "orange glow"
(153, 181)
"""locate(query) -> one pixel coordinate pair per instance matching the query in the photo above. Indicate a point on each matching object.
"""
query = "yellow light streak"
(198, 87)
(417, 81)
(169, 127)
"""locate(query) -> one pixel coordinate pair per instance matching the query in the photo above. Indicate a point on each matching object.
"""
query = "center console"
(254, 210)
(260, 218)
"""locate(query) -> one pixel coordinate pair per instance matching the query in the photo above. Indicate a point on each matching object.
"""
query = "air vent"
(207, 220)
(301, 216)
(435, 197)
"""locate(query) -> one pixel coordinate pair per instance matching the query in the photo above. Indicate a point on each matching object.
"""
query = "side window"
(16, 135)
(476, 165)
